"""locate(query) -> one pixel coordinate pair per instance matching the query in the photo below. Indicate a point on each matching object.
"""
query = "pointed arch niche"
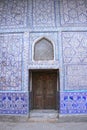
(43, 50)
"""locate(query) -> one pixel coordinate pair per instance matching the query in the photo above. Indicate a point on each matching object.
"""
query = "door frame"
(30, 86)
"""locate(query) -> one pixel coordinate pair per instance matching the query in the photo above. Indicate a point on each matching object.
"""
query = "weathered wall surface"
(22, 23)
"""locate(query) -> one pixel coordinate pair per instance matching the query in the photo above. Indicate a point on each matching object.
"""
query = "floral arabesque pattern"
(75, 77)
(13, 12)
(43, 13)
(11, 50)
(13, 103)
(74, 12)
(73, 103)
(74, 47)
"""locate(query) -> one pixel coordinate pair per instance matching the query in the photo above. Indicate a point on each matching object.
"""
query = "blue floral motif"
(14, 103)
(77, 105)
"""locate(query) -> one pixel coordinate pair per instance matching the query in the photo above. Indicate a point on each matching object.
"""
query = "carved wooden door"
(44, 90)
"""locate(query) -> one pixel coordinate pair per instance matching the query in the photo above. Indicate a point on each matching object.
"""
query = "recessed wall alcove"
(43, 50)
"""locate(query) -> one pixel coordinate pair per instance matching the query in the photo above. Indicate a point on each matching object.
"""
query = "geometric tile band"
(73, 103)
(13, 103)
(17, 103)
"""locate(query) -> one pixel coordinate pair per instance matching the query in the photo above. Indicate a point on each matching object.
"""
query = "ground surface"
(43, 126)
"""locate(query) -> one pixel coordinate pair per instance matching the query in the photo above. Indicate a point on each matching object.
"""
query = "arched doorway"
(44, 81)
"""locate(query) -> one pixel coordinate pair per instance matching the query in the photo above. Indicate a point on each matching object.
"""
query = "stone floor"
(43, 120)
(42, 126)
(43, 115)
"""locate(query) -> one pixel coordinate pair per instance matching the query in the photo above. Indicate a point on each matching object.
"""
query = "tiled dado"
(13, 103)
(73, 103)
(17, 103)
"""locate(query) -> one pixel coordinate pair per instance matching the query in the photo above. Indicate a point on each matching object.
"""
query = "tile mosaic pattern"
(75, 77)
(73, 102)
(74, 47)
(13, 13)
(43, 13)
(11, 53)
(17, 103)
(13, 103)
(74, 12)
(74, 60)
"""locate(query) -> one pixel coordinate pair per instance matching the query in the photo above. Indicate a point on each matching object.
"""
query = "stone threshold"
(51, 118)
(43, 115)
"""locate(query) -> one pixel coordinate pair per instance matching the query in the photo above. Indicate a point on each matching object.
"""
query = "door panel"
(44, 90)
(37, 83)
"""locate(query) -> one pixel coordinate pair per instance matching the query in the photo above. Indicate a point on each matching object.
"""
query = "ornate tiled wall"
(22, 23)
(76, 77)
(43, 13)
(74, 47)
(13, 13)
(73, 99)
(13, 103)
(74, 60)
(73, 12)
(73, 103)
(11, 57)
(36, 36)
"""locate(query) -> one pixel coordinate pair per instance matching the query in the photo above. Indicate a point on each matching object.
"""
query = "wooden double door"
(44, 86)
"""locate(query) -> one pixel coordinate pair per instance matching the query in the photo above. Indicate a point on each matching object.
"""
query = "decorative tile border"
(13, 103)
(17, 103)
(34, 37)
(73, 102)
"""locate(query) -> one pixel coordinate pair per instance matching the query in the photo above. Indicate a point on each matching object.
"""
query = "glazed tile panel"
(74, 47)
(74, 53)
(13, 103)
(13, 13)
(73, 12)
(73, 102)
(43, 13)
(76, 77)
(11, 51)
(17, 103)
